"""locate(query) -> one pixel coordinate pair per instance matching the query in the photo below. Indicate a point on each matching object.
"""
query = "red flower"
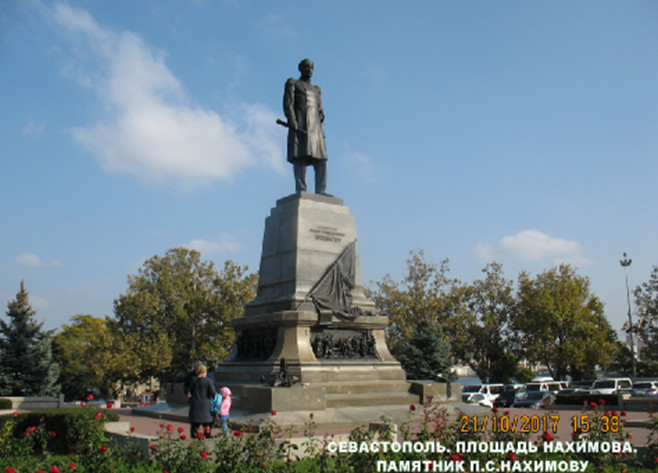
(180, 430)
(32, 429)
(511, 456)
(53, 434)
(54, 469)
(494, 410)
(153, 447)
(199, 435)
(27, 434)
(103, 448)
(623, 413)
(99, 415)
(547, 436)
(204, 455)
(40, 471)
(83, 404)
(412, 407)
(15, 415)
(311, 415)
(90, 397)
(237, 433)
(183, 436)
(506, 413)
(169, 427)
(593, 404)
(10, 470)
(602, 402)
(72, 466)
(273, 412)
(456, 458)
(132, 429)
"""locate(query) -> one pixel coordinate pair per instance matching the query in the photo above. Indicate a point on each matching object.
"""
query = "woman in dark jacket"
(202, 391)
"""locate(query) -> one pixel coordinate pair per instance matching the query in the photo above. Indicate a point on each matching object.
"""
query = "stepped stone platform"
(311, 339)
(342, 419)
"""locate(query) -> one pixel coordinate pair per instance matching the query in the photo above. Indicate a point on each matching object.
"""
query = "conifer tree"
(26, 362)
(427, 354)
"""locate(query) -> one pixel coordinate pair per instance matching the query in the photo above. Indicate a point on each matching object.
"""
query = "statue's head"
(306, 68)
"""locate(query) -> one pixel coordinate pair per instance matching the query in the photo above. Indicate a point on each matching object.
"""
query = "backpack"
(216, 404)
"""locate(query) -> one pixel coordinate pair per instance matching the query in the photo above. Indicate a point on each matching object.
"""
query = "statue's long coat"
(302, 105)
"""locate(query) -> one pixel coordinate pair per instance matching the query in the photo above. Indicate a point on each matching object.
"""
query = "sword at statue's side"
(287, 125)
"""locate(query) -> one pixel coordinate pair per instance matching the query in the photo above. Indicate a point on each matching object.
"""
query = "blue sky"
(515, 131)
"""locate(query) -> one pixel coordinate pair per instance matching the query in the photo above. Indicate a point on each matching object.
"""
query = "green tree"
(646, 301)
(562, 324)
(179, 309)
(425, 294)
(27, 367)
(93, 354)
(427, 353)
(491, 347)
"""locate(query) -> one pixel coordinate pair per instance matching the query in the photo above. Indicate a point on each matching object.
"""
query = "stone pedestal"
(332, 358)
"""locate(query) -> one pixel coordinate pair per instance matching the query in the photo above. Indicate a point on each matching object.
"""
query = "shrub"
(62, 431)
(5, 404)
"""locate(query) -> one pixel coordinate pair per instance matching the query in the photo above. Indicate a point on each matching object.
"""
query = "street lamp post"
(625, 263)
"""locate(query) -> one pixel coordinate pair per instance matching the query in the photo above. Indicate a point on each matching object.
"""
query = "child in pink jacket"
(225, 409)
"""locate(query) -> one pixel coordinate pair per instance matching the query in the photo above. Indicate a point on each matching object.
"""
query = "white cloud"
(28, 260)
(277, 26)
(151, 129)
(361, 164)
(533, 245)
(34, 129)
(222, 244)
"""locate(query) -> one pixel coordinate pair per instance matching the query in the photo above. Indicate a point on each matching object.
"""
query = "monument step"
(371, 399)
(357, 387)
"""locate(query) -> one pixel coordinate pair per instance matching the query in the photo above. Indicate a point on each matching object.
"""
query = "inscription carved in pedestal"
(327, 233)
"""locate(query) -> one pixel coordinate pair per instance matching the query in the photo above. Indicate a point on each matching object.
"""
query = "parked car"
(611, 385)
(543, 386)
(536, 400)
(506, 398)
(582, 385)
(645, 388)
(482, 400)
(489, 391)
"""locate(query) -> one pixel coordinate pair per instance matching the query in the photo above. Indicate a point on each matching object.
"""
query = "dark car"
(506, 399)
(536, 400)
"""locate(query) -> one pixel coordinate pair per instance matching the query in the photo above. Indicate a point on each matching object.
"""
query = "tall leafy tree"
(646, 300)
(93, 354)
(425, 294)
(562, 324)
(27, 367)
(179, 309)
(491, 347)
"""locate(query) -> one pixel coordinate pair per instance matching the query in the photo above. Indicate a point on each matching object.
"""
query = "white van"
(489, 391)
(543, 386)
(611, 385)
